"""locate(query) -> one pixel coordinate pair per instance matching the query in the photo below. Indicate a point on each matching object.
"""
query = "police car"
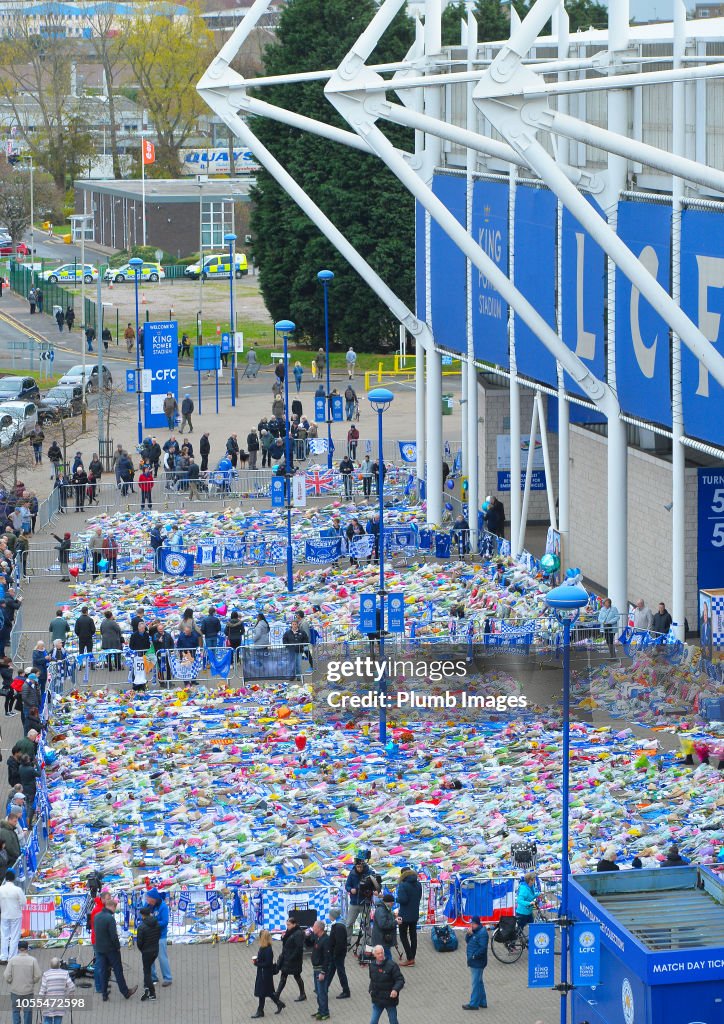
(71, 272)
(218, 266)
(149, 272)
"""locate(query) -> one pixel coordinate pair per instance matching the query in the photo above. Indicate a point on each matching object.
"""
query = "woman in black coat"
(264, 985)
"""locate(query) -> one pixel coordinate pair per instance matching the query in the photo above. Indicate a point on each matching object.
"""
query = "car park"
(17, 389)
(24, 413)
(8, 249)
(217, 265)
(71, 272)
(60, 402)
(149, 272)
(78, 374)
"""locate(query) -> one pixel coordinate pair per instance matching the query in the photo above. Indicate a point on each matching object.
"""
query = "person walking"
(160, 909)
(264, 984)
(350, 401)
(36, 438)
(352, 441)
(59, 318)
(476, 950)
(22, 975)
(351, 361)
(69, 318)
(525, 900)
(386, 983)
(338, 951)
(321, 360)
(170, 409)
(12, 904)
(130, 337)
(608, 621)
(147, 940)
(321, 962)
(409, 895)
(185, 349)
(90, 335)
(56, 985)
(108, 950)
(187, 408)
(291, 958)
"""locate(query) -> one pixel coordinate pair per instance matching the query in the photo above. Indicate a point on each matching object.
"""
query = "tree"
(51, 125)
(106, 42)
(168, 54)
(493, 18)
(15, 198)
(356, 191)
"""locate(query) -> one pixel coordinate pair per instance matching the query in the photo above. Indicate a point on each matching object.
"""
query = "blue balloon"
(450, 484)
(448, 506)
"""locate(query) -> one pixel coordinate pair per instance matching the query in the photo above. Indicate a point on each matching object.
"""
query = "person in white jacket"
(12, 903)
(608, 621)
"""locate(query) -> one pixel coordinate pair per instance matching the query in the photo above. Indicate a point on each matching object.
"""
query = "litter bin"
(662, 946)
(447, 405)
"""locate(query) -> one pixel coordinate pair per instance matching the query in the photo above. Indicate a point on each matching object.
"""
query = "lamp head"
(380, 399)
(231, 237)
(136, 263)
(566, 599)
(325, 276)
(284, 326)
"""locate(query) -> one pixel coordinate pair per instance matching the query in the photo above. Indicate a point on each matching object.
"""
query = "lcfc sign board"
(160, 357)
(583, 281)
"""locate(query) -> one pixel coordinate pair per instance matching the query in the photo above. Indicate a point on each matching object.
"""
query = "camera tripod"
(76, 969)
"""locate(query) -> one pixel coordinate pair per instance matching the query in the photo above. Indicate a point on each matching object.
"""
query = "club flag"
(175, 563)
(219, 659)
(408, 451)
(148, 151)
(149, 659)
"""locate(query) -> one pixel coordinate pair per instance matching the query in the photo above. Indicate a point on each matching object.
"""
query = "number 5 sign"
(711, 529)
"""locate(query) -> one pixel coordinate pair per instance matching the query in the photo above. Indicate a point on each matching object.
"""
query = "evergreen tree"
(356, 191)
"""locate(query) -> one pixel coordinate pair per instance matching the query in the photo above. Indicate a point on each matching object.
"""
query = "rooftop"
(169, 190)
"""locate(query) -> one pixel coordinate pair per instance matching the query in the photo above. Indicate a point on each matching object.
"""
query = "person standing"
(22, 975)
(187, 408)
(264, 984)
(36, 438)
(662, 620)
(384, 925)
(130, 337)
(147, 940)
(351, 361)
(211, 628)
(346, 468)
(56, 984)
(643, 617)
(111, 640)
(170, 409)
(321, 361)
(495, 517)
(366, 469)
(108, 950)
(232, 449)
(409, 894)
(146, 482)
(608, 860)
(204, 452)
(386, 983)
(298, 373)
(321, 962)
(525, 900)
(608, 621)
(32, 300)
(85, 630)
(291, 958)
(252, 445)
(12, 903)
(352, 441)
(39, 299)
(160, 909)
(337, 952)
(476, 942)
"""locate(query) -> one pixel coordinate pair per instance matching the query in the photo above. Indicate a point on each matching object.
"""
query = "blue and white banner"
(206, 554)
(541, 955)
(395, 617)
(442, 545)
(408, 451)
(320, 445)
(320, 409)
(233, 552)
(583, 279)
(586, 954)
(175, 563)
(535, 277)
(368, 613)
(642, 336)
(220, 659)
(400, 539)
(361, 547)
(324, 550)
(160, 356)
(490, 311)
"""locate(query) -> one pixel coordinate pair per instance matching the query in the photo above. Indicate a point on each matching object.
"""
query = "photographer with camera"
(361, 885)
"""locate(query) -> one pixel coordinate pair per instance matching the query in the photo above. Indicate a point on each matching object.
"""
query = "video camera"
(95, 883)
(368, 886)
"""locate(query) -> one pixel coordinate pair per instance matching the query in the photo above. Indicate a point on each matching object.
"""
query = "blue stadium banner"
(586, 954)
(583, 281)
(131, 381)
(175, 563)
(395, 617)
(702, 299)
(320, 409)
(710, 535)
(337, 412)
(490, 231)
(541, 955)
(368, 613)
(277, 492)
(447, 262)
(160, 356)
(642, 336)
(535, 277)
(323, 551)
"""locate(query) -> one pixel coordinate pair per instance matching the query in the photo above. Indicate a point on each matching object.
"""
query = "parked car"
(8, 430)
(149, 272)
(61, 401)
(216, 266)
(71, 272)
(17, 389)
(78, 374)
(24, 413)
(8, 249)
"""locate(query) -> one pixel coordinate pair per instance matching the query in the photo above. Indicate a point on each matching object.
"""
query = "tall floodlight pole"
(285, 328)
(325, 276)
(136, 265)
(230, 240)
(380, 400)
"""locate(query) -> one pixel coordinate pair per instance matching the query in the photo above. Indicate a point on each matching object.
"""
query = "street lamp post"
(566, 602)
(136, 265)
(380, 400)
(285, 328)
(325, 276)
(230, 240)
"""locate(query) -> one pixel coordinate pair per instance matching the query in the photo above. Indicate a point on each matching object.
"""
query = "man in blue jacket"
(360, 877)
(476, 939)
(160, 910)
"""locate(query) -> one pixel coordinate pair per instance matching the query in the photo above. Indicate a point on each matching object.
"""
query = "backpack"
(444, 938)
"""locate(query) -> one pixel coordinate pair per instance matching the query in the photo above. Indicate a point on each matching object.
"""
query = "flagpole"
(143, 185)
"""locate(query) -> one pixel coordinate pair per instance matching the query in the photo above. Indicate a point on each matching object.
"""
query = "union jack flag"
(320, 482)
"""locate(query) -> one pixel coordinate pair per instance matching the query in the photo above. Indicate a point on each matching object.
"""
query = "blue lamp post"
(285, 328)
(325, 276)
(566, 602)
(380, 400)
(136, 265)
(230, 240)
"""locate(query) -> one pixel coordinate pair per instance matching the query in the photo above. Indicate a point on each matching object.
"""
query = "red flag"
(148, 152)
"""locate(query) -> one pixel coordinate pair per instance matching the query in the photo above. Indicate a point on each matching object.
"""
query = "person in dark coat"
(111, 640)
(384, 924)
(147, 939)
(85, 630)
(608, 861)
(386, 983)
(476, 951)
(291, 958)
(674, 858)
(409, 894)
(204, 452)
(108, 949)
(338, 952)
(321, 963)
(211, 628)
(264, 984)
(140, 640)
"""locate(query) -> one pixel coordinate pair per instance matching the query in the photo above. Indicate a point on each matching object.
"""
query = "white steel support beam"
(678, 455)
(433, 426)
(471, 394)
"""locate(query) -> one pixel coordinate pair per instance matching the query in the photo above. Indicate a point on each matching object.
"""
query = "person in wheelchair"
(526, 900)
